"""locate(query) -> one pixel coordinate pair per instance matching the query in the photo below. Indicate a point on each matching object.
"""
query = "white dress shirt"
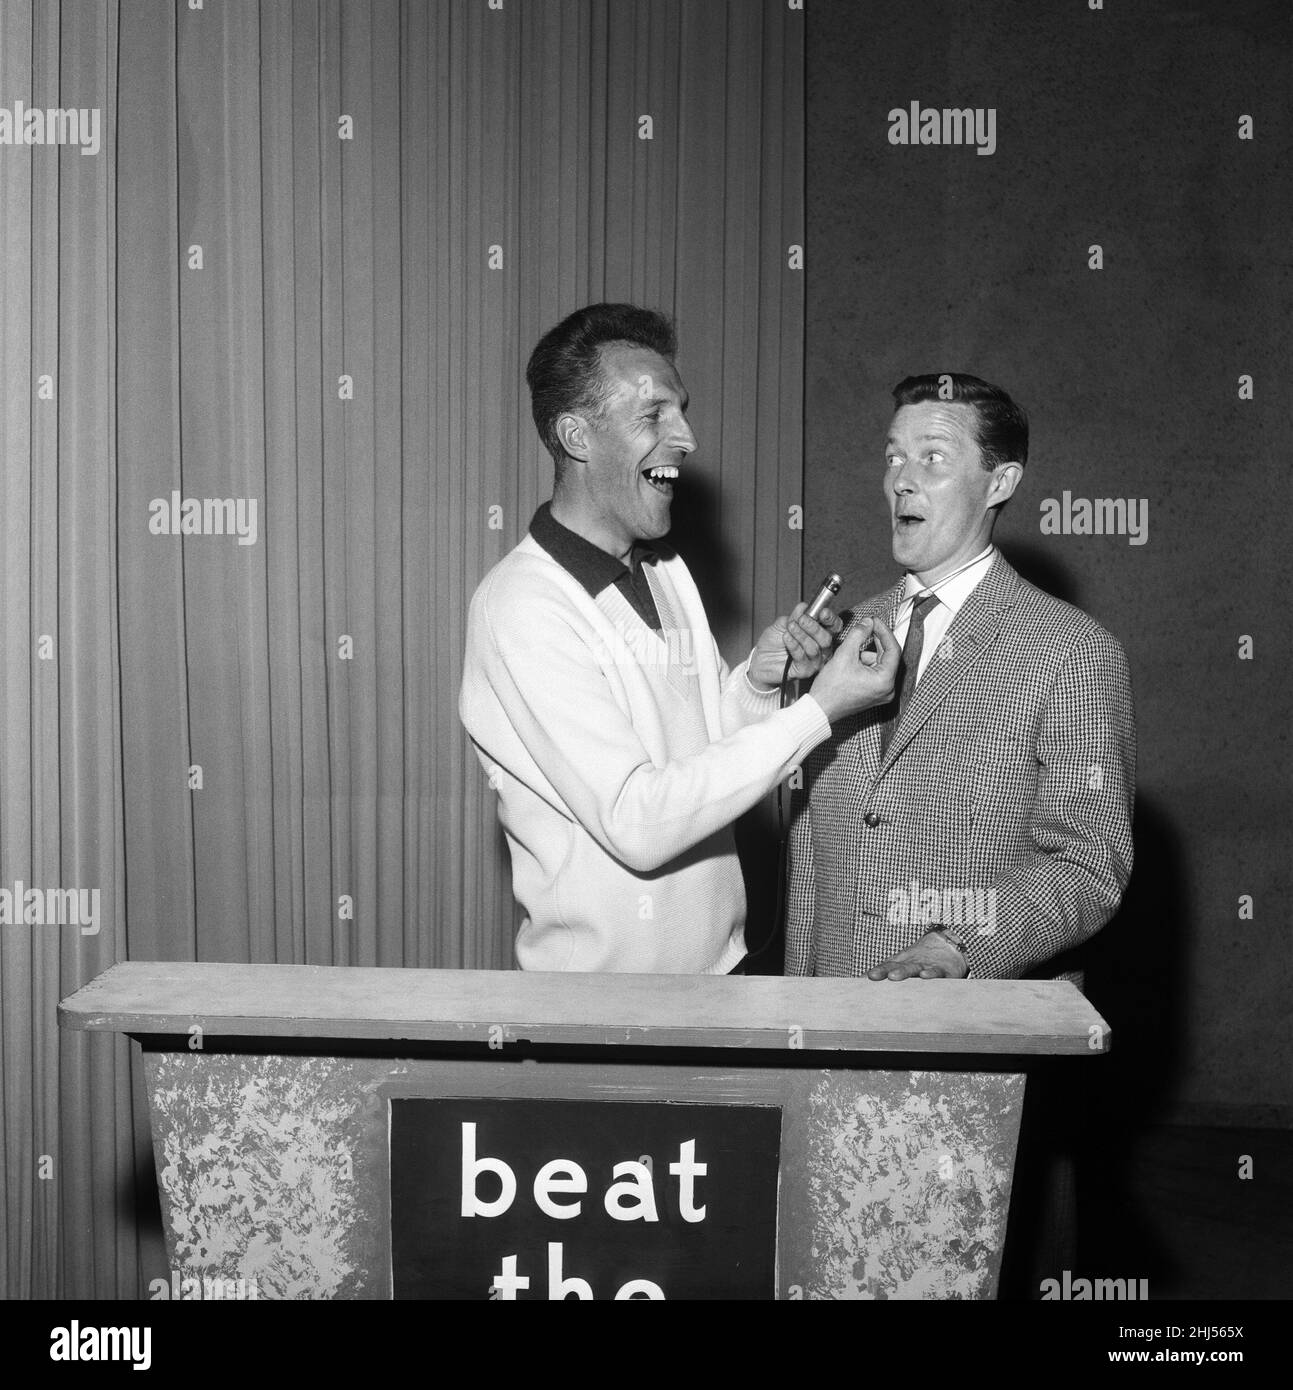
(951, 594)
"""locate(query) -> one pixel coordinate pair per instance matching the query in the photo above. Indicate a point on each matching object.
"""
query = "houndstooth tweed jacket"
(1004, 798)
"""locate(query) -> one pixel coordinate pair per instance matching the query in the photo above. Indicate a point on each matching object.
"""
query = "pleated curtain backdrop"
(302, 274)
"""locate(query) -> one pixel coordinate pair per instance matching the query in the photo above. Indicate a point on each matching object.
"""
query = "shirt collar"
(588, 563)
(953, 592)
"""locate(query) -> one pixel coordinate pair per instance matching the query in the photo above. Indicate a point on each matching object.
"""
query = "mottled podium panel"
(897, 1184)
(262, 1163)
(274, 1169)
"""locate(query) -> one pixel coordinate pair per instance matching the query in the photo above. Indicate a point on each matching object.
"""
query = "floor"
(1169, 1204)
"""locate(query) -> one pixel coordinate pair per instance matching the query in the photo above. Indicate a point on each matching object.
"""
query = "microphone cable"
(830, 587)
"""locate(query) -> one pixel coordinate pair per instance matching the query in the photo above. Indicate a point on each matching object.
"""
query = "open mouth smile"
(661, 477)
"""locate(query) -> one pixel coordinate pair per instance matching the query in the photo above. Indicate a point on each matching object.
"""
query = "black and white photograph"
(643, 661)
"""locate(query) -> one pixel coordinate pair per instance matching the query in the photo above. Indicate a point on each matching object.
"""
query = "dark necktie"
(911, 650)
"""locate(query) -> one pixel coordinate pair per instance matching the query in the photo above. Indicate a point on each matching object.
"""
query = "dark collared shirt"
(594, 568)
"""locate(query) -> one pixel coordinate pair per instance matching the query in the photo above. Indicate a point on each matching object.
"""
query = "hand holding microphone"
(798, 646)
(810, 632)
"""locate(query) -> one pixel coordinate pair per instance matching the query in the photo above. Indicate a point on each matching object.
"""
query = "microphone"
(830, 587)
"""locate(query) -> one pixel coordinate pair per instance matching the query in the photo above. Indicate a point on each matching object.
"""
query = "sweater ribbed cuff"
(808, 724)
(757, 702)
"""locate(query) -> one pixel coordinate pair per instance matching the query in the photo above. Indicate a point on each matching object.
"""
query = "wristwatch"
(953, 938)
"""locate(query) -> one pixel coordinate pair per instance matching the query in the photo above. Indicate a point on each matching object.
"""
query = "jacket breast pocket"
(1000, 785)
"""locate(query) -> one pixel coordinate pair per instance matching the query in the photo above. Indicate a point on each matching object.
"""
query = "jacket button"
(871, 819)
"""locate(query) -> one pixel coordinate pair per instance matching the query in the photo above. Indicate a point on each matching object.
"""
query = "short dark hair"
(564, 372)
(1003, 425)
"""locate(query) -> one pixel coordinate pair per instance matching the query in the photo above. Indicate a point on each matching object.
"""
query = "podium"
(353, 1132)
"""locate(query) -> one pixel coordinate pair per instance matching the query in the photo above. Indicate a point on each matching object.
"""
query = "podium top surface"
(1027, 1017)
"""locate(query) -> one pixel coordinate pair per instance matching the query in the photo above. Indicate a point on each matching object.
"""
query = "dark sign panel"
(543, 1199)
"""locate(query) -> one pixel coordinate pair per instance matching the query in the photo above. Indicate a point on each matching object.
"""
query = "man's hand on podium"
(933, 957)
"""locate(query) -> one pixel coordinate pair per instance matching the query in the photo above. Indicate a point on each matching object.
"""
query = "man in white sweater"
(621, 746)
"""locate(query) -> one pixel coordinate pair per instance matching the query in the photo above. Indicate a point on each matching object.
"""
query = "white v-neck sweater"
(621, 758)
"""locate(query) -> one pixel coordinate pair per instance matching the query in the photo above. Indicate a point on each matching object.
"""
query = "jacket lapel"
(970, 633)
(866, 742)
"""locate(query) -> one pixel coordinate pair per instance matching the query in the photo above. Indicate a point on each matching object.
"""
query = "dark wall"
(1117, 127)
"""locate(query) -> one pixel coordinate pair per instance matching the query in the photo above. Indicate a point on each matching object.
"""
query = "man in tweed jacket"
(988, 830)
